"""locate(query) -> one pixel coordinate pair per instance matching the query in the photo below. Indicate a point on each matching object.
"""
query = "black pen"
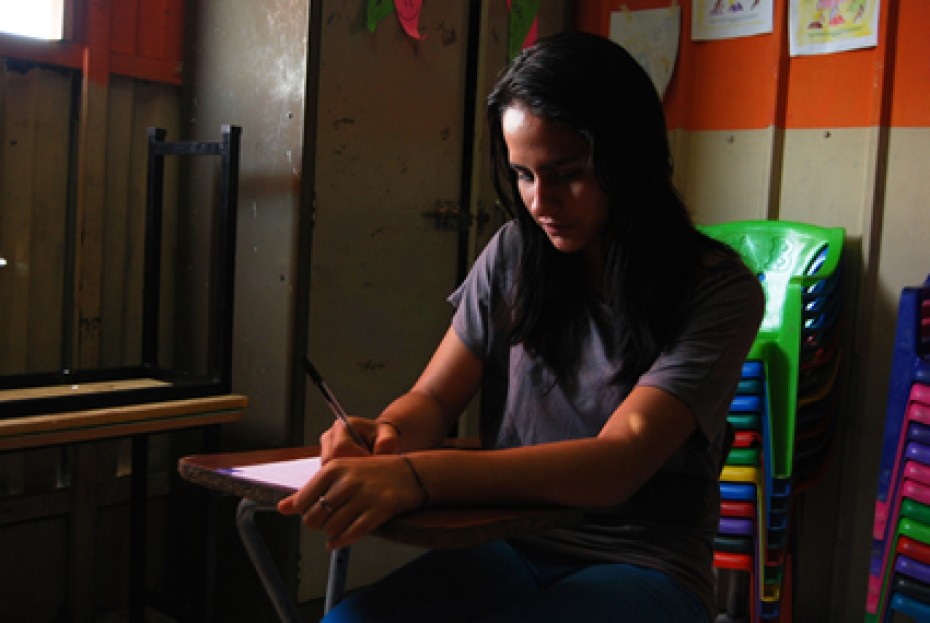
(334, 405)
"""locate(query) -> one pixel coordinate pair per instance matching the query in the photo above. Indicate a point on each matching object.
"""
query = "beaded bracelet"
(416, 475)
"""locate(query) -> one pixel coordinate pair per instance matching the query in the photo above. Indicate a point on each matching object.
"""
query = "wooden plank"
(124, 26)
(58, 53)
(154, 69)
(161, 30)
(83, 534)
(50, 212)
(116, 296)
(17, 155)
(94, 424)
(91, 166)
(57, 391)
(116, 415)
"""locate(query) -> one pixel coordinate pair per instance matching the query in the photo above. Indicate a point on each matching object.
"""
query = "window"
(41, 19)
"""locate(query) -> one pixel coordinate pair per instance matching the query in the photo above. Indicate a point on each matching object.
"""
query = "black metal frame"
(224, 254)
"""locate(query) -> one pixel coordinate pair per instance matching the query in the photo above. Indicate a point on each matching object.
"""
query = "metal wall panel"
(246, 66)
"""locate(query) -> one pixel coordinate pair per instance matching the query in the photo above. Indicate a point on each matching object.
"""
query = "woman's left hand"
(349, 497)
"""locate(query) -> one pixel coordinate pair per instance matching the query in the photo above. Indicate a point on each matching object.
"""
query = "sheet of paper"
(726, 19)
(828, 26)
(291, 474)
(651, 37)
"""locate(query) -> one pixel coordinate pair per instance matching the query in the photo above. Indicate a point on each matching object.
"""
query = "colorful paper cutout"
(523, 25)
(408, 13)
(377, 11)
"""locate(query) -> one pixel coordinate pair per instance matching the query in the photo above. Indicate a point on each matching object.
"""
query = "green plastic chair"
(783, 254)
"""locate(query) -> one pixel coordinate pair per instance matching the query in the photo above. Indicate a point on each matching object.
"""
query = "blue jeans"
(497, 582)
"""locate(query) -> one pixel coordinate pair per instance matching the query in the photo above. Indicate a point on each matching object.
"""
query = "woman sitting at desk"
(607, 335)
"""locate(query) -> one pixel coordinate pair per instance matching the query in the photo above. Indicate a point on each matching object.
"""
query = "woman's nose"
(543, 200)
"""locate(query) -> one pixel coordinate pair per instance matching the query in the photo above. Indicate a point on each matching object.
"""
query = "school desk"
(434, 528)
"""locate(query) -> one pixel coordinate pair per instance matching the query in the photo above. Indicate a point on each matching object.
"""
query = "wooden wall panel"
(33, 204)
(73, 183)
(34, 178)
(49, 205)
(147, 30)
(121, 284)
(133, 107)
(16, 185)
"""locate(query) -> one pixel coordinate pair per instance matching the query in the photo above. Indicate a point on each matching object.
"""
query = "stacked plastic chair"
(899, 571)
(784, 411)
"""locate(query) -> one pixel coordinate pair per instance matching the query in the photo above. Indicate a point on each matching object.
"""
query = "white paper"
(651, 37)
(726, 19)
(291, 474)
(828, 26)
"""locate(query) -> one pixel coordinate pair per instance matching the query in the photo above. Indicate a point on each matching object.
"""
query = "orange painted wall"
(753, 83)
(911, 86)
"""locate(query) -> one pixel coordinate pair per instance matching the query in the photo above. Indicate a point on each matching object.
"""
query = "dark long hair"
(653, 250)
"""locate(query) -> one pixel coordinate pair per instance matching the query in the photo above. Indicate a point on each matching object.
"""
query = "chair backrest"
(793, 261)
(783, 252)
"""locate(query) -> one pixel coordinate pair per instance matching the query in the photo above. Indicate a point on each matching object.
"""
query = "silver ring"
(326, 505)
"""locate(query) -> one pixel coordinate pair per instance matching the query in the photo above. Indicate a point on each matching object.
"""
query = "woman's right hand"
(338, 442)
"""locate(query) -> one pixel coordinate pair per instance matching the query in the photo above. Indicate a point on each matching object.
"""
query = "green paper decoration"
(377, 11)
(522, 15)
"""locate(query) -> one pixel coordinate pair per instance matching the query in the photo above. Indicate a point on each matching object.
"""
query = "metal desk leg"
(262, 561)
(268, 573)
(335, 585)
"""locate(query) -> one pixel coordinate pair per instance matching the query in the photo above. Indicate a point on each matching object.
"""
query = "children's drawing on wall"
(651, 37)
(826, 26)
(726, 19)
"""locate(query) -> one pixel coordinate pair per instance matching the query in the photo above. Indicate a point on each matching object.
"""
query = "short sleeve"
(478, 299)
(702, 367)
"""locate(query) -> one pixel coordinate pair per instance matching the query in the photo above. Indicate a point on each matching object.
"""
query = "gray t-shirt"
(670, 522)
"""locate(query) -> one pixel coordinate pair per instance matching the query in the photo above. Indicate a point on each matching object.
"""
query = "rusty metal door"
(401, 203)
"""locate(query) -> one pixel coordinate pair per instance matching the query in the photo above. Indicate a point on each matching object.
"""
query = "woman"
(607, 335)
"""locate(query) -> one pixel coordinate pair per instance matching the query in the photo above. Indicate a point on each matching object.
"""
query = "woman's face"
(556, 180)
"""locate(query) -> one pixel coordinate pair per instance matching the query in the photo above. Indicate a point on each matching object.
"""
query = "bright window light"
(41, 19)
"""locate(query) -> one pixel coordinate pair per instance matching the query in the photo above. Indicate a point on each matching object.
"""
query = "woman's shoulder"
(504, 246)
(722, 260)
(722, 274)
(508, 234)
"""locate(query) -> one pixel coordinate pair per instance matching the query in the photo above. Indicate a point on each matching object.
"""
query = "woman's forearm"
(585, 472)
(419, 421)
(593, 472)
